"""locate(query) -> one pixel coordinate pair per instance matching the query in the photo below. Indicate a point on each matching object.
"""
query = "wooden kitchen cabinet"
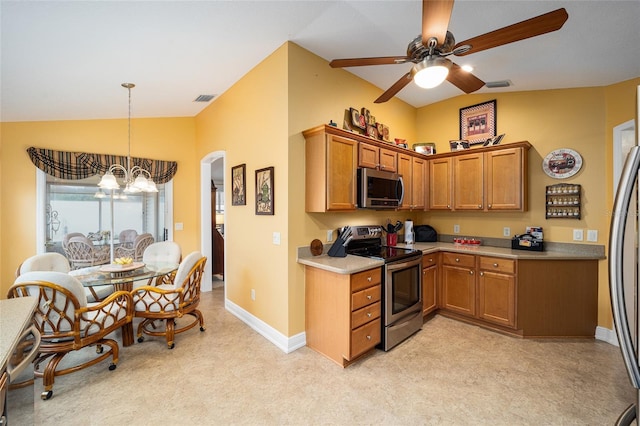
(468, 182)
(374, 157)
(440, 175)
(459, 283)
(342, 313)
(487, 179)
(430, 283)
(497, 290)
(331, 171)
(413, 171)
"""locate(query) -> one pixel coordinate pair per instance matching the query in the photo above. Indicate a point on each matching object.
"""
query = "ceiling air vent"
(497, 84)
(204, 98)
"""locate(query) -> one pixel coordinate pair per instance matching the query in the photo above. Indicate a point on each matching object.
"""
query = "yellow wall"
(158, 138)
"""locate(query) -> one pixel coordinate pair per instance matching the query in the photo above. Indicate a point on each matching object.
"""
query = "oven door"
(402, 289)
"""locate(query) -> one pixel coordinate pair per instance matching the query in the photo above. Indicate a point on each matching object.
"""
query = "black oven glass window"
(406, 288)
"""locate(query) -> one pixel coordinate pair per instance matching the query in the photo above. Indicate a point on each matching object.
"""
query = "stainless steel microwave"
(378, 189)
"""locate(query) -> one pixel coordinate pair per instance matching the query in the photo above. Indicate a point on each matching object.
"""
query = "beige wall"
(161, 139)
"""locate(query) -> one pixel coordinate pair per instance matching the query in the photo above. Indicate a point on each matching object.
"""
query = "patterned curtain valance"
(81, 165)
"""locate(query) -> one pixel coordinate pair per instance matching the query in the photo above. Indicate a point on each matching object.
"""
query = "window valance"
(81, 165)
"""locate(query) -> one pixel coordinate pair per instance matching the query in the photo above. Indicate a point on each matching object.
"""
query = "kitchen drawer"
(429, 260)
(365, 297)
(365, 279)
(457, 259)
(364, 315)
(498, 264)
(365, 338)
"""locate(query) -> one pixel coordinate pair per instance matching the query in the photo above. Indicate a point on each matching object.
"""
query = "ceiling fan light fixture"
(431, 72)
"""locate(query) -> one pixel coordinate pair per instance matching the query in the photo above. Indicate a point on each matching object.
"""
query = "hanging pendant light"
(136, 179)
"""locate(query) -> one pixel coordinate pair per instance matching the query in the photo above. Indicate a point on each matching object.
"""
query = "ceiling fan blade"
(397, 86)
(539, 25)
(358, 62)
(463, 80)
(435, 19)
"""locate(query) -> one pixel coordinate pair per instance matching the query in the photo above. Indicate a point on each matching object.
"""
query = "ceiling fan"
(429, 50)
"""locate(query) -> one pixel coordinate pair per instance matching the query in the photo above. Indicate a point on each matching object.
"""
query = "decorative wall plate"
(562, 163)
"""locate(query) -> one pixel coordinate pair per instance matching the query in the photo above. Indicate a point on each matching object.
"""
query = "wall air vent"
(498, 84)
(204, 98)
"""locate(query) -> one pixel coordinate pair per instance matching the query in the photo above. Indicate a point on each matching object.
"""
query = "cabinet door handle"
(479, 206)
(481, 274)
(489, 206)
(448, 206)
(470, 272)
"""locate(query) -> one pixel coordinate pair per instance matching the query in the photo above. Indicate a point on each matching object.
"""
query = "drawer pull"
(369, 314)
(430, 260)
(368, 337)
(369, 279)
(369, 296)
(470, 272)
(481, 274)
(495, 265)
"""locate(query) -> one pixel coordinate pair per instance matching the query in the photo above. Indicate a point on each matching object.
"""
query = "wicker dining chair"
(127, 237)
(82, 253)
(58, 263)
(136, 251)
(171, 302)
(67, 322)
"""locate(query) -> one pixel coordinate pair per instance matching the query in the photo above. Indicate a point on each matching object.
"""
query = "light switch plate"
(330, 235)
(506, 231)
(456, 229)
(592, 235)
(276, 238)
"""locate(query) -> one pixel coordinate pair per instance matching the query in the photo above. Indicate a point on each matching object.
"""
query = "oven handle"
(402, 264)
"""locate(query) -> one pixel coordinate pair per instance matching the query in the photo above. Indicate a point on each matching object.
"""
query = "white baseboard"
(607, 335)
(286, 344)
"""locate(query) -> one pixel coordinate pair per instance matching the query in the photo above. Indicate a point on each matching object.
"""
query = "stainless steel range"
(401, 282)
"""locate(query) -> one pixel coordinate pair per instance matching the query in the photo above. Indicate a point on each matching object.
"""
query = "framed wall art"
(239, 185)
(264, 191)
(478, 122)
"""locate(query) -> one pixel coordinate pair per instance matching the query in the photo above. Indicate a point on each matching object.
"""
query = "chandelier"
(136, 179)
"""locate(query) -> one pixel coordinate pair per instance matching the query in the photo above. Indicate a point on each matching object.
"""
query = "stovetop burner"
(366, 241)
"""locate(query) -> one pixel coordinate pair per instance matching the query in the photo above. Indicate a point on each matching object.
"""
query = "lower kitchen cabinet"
(525, 297)
(430, 283)
(459, 283)
(342, 313)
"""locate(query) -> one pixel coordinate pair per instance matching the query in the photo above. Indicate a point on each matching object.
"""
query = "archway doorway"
(206, 176)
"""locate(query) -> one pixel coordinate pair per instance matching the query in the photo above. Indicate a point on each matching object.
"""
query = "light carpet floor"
(449, 373)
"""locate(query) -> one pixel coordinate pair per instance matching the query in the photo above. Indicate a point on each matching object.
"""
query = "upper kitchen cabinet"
(486, 179)
(374, 157)
(414, 174)
(331, 171)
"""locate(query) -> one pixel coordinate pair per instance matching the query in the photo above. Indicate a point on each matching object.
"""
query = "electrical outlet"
(578, 235)
(592, 235)
(330, 235)
(276, 238)
(253, 294)
(456, 229)
(506, 231)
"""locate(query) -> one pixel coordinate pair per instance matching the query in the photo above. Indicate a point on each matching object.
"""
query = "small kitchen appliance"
(401, 283)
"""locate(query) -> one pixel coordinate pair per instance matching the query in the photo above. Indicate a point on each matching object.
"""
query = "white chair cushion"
(185, 267)
(45, 262)
(161, 252)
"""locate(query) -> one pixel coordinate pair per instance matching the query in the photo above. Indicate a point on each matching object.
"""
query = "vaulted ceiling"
(63, 60)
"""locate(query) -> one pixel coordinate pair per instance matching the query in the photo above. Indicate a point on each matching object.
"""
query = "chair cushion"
(60, 278)
(162, 252)
(185, 267)
(45, 262)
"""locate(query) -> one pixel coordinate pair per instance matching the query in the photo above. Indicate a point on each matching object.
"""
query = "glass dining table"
(122, 277)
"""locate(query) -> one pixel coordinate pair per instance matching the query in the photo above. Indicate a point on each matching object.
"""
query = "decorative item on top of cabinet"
(563, 201)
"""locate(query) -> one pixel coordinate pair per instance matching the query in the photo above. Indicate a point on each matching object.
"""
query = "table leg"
(127, 334)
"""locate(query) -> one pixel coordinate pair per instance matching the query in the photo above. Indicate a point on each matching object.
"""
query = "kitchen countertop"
(15, 316)
(352, 264)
